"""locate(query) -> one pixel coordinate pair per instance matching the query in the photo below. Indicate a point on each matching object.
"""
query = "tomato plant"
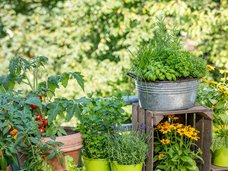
(38, 108)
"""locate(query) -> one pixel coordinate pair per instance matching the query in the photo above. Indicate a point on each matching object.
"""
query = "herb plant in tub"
(99, 118)
(127, 151)
(41, 134)
(167, 76)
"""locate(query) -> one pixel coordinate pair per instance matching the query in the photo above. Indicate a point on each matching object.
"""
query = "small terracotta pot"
(8, 168)
(71, 147)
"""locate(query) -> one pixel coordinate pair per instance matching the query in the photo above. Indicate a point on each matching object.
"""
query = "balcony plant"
(220, 142)
(39, 104)
(164, 71)
(174, 148)
(127, 151)
(99, 118)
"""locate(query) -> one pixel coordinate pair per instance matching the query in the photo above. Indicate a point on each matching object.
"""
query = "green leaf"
(79, 78)
(3, 163)
(64, 78)
(34, 101)
(188, 160)
(52, 155)
(53, 112)
(70, 111)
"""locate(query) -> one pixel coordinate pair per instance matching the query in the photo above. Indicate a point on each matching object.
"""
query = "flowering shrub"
(215, 95)
(175, 147)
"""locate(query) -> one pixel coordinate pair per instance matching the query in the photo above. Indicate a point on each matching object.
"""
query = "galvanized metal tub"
(167, 95)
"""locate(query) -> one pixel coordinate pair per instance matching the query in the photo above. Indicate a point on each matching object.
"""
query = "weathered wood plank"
(195, 109)
(135, 111)
(216, 168)
(207, 137)
(142, 119)
(150, 130)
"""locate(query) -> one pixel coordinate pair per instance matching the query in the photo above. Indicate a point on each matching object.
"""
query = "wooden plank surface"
(207, 144)
(195, 109)
(135, 108)
(216, 168)
(150, 130)
(142, 120)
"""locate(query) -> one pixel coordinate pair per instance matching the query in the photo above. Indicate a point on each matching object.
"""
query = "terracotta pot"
(8, 168)
(71, 147)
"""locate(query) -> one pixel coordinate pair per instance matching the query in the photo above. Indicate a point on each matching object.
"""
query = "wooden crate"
(199, 117)
(216, 168)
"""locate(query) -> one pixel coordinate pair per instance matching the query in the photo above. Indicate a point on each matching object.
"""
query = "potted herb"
(127, 151)
(99, 117)
(167, 76)
(174, 148)
(220, 142)
(39, 104)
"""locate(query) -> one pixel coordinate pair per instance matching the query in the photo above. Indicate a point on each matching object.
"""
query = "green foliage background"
(95, 36)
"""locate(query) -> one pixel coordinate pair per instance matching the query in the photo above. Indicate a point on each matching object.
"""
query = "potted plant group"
(220, 142)
(99, 118)
(175, 147)
(44, 143)
(127, 151)
(167, 76)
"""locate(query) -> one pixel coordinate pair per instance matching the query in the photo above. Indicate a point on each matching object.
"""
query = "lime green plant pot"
(96, 164)
(117, 167)
(221, 157)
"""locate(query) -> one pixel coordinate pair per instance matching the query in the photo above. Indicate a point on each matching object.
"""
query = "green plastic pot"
(96, 164)
(221, 157)
(117, 167)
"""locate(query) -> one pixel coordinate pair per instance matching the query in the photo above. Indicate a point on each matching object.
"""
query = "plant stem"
(29, 83)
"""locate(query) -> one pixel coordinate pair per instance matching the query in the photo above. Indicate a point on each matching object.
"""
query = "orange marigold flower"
(221, 87)
(213, 83)
(181, 131)
(165, 130)
(225, 92)
(210, 68)
(15, 137)
(165, 141)
(13, 132)
(195, 137)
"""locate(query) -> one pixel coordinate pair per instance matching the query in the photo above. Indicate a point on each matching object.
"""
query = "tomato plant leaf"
(53, 111)
(52, 155)
(79, 78)
(34, 101)
(64, 78)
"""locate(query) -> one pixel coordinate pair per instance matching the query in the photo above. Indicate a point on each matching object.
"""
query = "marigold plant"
(175, 148)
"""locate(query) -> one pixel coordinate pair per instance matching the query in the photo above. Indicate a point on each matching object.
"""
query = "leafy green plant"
(99, 118)
(214, 94)
(163, 58)
(70, 165)
(127, 148)
(38, 108)
(174, 148)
